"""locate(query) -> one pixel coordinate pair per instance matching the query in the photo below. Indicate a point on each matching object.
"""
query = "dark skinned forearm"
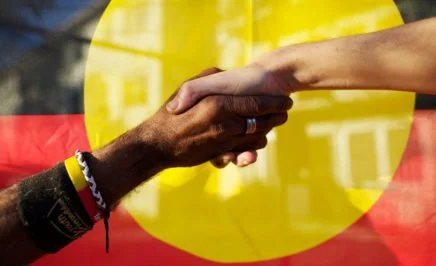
(15, 247)
(118, 168)
(212, 127)
(123, 165)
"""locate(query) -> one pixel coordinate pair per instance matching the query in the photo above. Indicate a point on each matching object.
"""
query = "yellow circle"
(321, 171)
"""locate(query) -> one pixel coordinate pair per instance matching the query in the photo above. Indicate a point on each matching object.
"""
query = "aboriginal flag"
(350, 180)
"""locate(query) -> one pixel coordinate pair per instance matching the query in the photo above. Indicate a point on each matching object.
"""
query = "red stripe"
(89, 203)
(30, 144)
(405, 214)
(399, 230)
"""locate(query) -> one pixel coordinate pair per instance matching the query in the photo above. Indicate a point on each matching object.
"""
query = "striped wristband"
(87, 190)
(82, 189)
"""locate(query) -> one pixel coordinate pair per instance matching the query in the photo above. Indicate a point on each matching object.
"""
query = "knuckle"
(224, 146)
(283, 118)
(290, 103)
(253, 105)
(213, 70)
(219, 105)
(187, 90)
(234, 125)
(214, 103)
(219, 165)
(257, 104)
(240, 125)
(218, 130)
(226, 128)
(285, 103)
(186, 87)
(263, 142)
(229, 104)
(259, 142)
(218, 162)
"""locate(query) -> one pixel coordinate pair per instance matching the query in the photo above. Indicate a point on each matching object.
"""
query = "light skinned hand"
(249, 80)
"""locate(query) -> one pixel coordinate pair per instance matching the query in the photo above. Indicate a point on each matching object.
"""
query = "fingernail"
(244, 162)
(226, 160)
(172, 105)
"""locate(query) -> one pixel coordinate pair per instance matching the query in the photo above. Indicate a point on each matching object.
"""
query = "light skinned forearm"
(401, 58)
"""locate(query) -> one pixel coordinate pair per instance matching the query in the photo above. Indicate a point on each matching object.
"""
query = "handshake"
(237, 114)
(218, 116)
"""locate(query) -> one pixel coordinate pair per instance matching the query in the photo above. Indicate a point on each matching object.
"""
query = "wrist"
(285, 65)
(122, 165)
(319, 65)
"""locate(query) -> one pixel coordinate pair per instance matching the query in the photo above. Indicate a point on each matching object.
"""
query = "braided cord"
(95, 193)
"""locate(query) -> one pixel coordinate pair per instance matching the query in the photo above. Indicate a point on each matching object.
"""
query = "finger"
(238, 126)
(204, 73)
(251, 106)
(223, 160)
(250, 143)
(245, 158)
(188, 95)
(267, 122)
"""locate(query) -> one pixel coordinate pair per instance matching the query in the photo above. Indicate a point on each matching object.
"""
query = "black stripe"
(38, 87)
(36, 61)
(32, 80)
(413, 10)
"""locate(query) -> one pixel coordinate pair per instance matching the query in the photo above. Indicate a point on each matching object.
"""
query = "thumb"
(184, 99)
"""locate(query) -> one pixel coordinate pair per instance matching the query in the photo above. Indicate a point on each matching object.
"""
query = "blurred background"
(42, 54)
(44, 47)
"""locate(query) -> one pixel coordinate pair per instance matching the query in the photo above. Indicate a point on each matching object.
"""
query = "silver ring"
(251, 125)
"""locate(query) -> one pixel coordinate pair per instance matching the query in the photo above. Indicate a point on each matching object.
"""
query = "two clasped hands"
(252, 100)
(224, 116)
(218, 116)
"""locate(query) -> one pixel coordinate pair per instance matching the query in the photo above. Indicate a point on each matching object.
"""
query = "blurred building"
(44, 45)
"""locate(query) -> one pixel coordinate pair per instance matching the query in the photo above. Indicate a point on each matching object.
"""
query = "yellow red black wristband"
(80, 184)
